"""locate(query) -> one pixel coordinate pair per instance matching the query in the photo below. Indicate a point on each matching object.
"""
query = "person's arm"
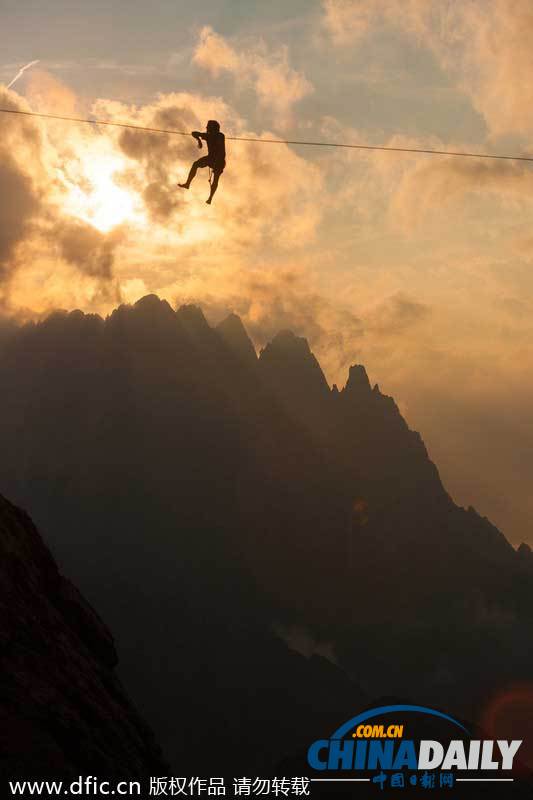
(199, 135)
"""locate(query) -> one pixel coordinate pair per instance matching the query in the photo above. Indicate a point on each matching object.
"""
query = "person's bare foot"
(183, 185)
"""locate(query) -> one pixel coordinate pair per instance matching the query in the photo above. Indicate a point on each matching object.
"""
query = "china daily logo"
(384, 740)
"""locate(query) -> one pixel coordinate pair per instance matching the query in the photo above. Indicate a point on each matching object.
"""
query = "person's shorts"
(217, 166)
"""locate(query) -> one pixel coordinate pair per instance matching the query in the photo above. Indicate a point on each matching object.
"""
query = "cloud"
(46, 93)
(18, 205)
(483, 45)
(91, 251)
(20, 198)
(35, 231)
(157, 156)
(395, 315)
(348, 21)
(215, 54)
(435, 185)
(496, 56)
(405, 192)
(277, 85)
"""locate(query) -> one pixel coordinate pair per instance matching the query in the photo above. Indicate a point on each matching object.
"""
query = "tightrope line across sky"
(257, 140)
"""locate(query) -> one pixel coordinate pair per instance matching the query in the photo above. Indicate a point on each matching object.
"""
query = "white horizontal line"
(343, 780)
(367, 780)
(487, 780)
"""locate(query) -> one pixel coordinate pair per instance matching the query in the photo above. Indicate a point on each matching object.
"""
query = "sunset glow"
(393, 259)
(97, 199)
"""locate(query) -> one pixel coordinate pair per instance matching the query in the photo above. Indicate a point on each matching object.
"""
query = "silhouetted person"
(215, 159)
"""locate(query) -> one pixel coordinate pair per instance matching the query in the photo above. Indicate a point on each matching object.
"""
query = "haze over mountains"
(222, 511)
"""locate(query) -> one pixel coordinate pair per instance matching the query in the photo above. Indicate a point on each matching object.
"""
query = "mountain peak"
(292, 371)
(234, 335)
(288, 343)
(151, 304)
(189, 312)
(525, 553)
(149, 316)
(194, 323)
(358, 382)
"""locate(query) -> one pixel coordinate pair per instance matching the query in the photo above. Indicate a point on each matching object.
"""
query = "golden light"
(93, 189)
(94, 196)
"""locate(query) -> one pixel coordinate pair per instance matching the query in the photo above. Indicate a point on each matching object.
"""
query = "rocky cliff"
(63, 711)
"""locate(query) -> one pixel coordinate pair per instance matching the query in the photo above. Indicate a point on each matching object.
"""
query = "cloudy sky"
(418, 266)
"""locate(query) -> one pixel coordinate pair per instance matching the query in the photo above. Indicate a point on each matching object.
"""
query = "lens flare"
(509, 715)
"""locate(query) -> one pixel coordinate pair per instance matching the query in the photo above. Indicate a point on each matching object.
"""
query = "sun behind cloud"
(93, 193)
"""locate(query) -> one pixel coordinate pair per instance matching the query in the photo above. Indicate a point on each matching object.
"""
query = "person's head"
(213, 126)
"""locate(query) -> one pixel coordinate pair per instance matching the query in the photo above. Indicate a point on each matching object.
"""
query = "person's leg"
(199, 164)
(214, 185)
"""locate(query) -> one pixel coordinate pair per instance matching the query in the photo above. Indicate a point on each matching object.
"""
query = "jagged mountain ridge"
(187, 484)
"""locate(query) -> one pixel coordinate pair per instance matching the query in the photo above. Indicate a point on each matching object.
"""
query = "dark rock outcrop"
(63, 711)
